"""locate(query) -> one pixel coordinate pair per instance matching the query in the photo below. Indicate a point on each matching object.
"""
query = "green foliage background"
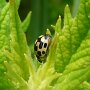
(45, 13)
(67, 66)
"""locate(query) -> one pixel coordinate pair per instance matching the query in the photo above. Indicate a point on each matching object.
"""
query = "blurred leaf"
(2, 4)
(26, 22)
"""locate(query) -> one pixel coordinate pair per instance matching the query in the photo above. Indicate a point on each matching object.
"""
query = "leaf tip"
(67, 9)
(48, 31)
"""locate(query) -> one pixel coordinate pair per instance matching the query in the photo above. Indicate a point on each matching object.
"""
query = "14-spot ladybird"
(41, 47)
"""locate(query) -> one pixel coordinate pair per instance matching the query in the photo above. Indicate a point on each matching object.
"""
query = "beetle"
(41, 47)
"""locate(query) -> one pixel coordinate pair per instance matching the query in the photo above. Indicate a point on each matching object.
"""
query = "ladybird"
(41, 47)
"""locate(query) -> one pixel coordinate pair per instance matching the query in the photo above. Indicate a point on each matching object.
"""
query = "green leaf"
(81, 58)
(2, 4)
(72, 80)
(18, 3)
(84, 86)
(73, 33)
(18, 40)
(19, 82)
(73, 50)
(17, 45)
(63, 52)
(4, 44)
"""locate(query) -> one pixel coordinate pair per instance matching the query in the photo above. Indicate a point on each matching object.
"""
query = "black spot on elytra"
(39, 60)
(40, 45)
(37, 57)
(39, 53)
(43, 52)
(35, 47)
(39, 39)
(45, 45)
